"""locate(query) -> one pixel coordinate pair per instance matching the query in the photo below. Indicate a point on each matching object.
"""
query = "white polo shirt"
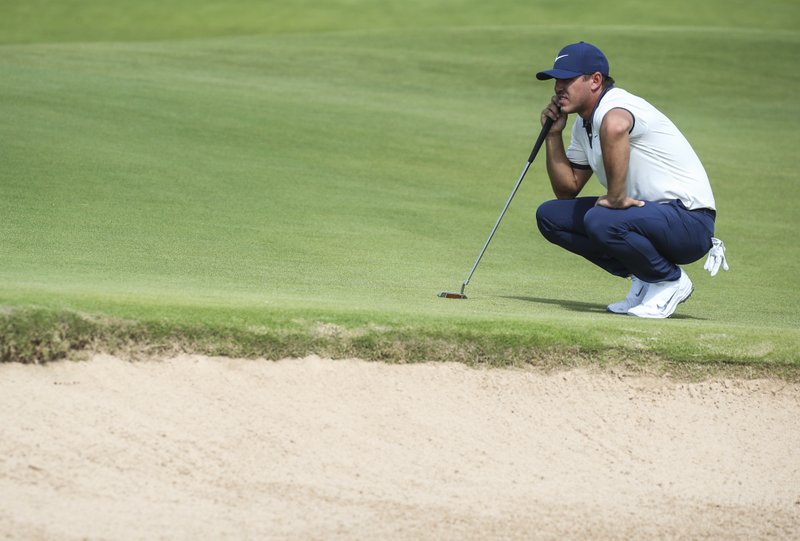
(663, 166)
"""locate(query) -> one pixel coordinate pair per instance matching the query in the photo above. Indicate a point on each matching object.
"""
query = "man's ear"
(597, 81)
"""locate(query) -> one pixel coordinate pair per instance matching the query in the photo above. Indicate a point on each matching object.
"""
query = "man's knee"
(602, 224)
(546, 217)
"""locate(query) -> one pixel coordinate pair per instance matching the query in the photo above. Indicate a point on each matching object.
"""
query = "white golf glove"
(716, 257)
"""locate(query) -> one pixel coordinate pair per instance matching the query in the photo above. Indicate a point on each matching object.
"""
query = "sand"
(195, 447)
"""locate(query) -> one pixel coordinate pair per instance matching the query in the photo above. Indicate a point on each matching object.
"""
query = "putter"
(539, 140)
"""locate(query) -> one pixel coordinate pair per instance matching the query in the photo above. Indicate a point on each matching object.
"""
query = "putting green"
(346, 170)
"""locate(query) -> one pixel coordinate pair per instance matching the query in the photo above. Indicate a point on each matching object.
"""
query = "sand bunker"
(194, 447)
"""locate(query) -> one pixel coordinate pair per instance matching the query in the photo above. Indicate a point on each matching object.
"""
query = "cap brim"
(556, 74)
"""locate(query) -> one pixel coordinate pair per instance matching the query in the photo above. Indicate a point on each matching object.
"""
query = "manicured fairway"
(260, 174)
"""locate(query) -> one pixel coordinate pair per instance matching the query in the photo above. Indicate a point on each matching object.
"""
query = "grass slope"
(34, 21)
(300, 190)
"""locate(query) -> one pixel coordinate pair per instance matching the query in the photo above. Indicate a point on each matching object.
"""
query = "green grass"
(241, 178)
(34, 21)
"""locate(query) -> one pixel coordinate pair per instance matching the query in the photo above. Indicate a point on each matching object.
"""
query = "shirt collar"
(587, 122)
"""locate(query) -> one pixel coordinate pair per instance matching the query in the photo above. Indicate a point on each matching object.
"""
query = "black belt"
(707, 211)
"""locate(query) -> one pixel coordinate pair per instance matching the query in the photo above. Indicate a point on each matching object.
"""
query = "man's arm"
(616, 144)
(567, 182)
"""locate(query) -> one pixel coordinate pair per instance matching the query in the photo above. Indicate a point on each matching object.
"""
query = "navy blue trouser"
(648, 242)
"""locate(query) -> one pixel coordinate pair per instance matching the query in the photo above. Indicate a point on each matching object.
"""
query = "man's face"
(573, 93)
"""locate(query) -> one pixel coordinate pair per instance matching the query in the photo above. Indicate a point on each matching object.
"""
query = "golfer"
(658, 211)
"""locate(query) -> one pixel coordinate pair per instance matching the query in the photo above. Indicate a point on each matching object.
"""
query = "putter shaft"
(539, 140)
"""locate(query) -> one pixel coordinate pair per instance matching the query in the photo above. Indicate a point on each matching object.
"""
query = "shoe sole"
(683, 300)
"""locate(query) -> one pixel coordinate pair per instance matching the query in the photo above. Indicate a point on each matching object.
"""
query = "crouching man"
(658, 211)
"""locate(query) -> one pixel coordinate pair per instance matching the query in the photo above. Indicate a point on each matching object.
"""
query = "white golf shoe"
(662, 298)
(634, 297)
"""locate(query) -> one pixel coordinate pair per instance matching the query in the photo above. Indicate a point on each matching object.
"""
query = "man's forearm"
(616, 144)
(616, 154)
(562, 176)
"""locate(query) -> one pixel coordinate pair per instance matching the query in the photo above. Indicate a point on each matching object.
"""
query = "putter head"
(451, 295)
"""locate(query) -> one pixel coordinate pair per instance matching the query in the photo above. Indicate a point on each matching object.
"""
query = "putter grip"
(539, 140)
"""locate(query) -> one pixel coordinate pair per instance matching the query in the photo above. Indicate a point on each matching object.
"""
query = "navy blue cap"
(576, 59)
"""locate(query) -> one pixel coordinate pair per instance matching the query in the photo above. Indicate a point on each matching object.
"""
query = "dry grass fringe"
(32, 335)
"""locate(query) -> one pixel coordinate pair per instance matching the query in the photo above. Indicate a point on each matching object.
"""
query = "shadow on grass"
(586, 307)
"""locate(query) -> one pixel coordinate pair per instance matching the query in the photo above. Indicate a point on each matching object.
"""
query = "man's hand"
(559, 119)
(624, 203)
